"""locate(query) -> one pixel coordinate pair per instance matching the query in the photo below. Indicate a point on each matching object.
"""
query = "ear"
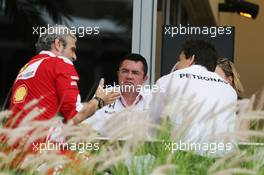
(145, 78)
(192, 60)
(58, 45)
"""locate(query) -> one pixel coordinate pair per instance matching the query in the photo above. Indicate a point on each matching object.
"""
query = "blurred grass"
(141, 157)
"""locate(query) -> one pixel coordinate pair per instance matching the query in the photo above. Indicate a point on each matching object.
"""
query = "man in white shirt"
(197, 100)
(132, 75)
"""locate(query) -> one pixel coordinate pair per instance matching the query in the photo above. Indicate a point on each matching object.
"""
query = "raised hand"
(106, 96)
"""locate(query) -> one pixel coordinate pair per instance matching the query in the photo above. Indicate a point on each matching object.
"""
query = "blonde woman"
(226, 69)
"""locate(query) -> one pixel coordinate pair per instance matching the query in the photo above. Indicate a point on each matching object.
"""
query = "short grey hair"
(48, 37)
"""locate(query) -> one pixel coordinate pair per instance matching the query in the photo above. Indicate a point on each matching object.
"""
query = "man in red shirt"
(46, 85)
(50, 77)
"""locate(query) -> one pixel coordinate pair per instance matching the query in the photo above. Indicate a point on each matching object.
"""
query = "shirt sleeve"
(67, 90)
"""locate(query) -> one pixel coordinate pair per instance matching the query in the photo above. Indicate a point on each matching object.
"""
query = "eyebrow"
(73, 48)
(133, 71)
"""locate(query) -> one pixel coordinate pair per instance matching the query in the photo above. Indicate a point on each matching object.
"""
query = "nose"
(74, 56)
(129, 75)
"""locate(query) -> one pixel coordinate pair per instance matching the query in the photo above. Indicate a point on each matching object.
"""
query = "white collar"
(198, 67)
(137, 99)
(47, 53)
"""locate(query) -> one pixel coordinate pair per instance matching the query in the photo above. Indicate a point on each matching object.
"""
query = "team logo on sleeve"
(20, 94)
(23, 68)
(29, 70)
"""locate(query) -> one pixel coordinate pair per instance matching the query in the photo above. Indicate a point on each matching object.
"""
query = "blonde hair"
(230, 71)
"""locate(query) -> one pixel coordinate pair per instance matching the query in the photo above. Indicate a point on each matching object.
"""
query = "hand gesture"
(106, 96)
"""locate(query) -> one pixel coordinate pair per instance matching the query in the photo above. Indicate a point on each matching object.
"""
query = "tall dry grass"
(133, 144)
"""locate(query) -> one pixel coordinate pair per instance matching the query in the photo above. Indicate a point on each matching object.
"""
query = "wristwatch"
(100, 102)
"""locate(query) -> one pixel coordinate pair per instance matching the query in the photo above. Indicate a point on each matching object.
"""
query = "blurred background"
(98, 55)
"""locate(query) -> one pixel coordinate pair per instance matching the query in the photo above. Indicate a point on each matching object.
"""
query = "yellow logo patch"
(23, 68)
(20, 94)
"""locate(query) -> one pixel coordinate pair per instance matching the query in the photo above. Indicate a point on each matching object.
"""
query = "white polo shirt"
(198, 99)
(101, 116)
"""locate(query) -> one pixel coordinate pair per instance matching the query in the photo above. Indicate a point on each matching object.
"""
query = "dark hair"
(136, 57)
(204, 53)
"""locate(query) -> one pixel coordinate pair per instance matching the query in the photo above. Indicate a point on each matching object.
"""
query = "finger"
(114, 93)
(110, 101)
(101, 83)
(111, 97)
(114, 96)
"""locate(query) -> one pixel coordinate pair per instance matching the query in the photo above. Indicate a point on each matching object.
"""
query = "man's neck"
(130, 98)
